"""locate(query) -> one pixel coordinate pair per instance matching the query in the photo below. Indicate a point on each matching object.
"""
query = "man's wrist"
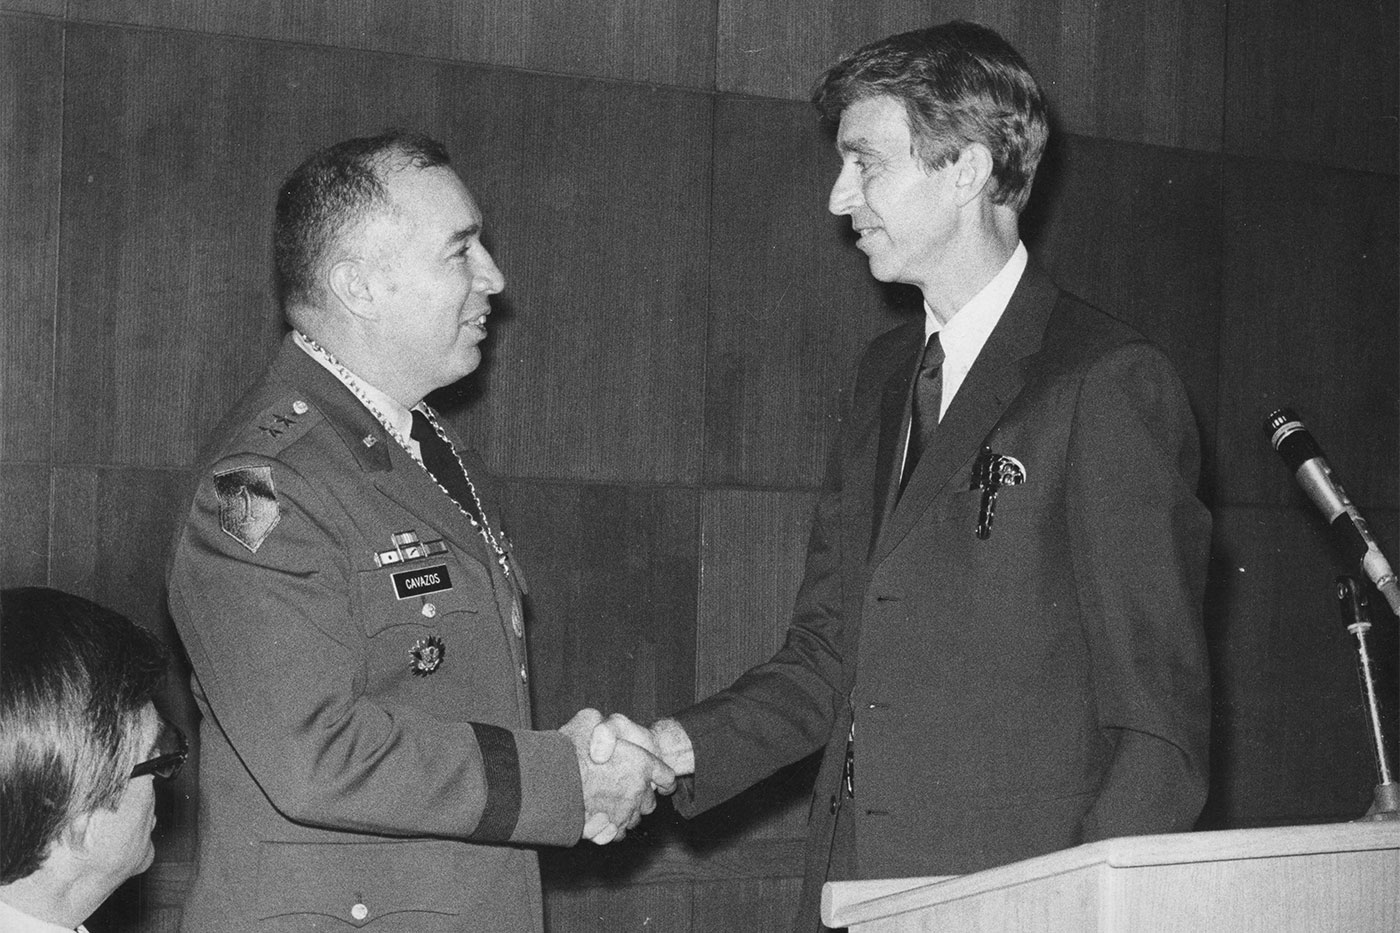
(674, 745)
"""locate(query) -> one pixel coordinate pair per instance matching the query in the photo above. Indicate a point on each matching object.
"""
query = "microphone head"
(1278, 418)
(1290, 438)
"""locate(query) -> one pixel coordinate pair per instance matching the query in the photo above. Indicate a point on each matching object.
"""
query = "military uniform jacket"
(366, 758)
(1018, 693)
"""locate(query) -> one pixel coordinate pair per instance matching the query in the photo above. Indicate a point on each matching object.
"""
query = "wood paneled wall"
(681, 318)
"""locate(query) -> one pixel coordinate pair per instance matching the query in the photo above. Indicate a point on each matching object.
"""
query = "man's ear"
(348, 281)
(972, 173)
(77, 838)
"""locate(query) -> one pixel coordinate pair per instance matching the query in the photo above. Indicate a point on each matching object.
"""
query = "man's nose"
(845, 191)
(488, 277)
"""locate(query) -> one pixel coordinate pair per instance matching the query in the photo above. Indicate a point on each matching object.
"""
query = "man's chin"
(466, 363)
(149, 859)
(881, 272)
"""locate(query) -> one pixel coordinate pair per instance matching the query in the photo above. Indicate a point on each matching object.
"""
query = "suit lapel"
(993, 382)
(898, 380)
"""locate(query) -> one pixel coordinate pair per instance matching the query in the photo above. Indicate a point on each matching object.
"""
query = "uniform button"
(833, 803)
(359, 911)
(429, 610)
(300, 407)
(523, 676)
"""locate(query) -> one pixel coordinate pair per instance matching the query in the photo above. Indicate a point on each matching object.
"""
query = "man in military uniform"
(350, 605)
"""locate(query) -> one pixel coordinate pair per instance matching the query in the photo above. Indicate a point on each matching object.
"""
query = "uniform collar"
(398, 416)
(362, 433)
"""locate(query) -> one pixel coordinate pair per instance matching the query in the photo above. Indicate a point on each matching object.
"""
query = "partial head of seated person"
(80, 747)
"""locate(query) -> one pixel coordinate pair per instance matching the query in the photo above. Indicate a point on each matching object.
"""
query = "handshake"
(623, 766)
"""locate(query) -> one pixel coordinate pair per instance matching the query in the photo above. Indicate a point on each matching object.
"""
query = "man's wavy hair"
(960, 83)
(330, 194)
(74, 681)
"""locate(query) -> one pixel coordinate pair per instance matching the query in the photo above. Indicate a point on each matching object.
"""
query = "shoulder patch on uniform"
(247, 505)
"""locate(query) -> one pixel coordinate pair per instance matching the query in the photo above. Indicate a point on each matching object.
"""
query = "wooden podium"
(1342, 877)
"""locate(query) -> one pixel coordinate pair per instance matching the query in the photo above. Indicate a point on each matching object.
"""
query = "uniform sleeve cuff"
(551, 792)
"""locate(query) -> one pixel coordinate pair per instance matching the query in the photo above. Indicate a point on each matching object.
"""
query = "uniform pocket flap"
(349, 882)
(398, 596)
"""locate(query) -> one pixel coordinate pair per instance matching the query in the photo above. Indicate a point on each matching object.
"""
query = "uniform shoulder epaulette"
(277, 426)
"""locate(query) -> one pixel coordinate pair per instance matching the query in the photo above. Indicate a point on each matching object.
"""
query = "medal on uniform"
(427, 654)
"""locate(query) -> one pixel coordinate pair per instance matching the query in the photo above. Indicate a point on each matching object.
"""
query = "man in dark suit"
(1008, 534)
(351, 605)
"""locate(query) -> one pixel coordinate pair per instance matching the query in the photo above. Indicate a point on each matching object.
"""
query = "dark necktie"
(923, 411)
(444, 466)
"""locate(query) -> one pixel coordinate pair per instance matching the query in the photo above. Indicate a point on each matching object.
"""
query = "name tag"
(418, 582)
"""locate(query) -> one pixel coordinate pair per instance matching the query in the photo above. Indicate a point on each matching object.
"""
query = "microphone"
(1304, 457)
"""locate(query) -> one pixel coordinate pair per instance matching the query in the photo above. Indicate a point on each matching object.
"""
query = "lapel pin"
(991, 472)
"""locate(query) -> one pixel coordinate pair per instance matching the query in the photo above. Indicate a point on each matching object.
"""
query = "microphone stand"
(1351, 600)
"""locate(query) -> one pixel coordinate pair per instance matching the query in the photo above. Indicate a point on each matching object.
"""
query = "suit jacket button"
(359, 911)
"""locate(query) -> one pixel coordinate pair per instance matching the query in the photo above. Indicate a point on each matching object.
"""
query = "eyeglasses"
(174, 748)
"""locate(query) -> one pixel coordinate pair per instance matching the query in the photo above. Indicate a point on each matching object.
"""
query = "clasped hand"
(620, 778)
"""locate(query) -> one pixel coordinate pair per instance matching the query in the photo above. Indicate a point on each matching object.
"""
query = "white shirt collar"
(14, 920)
(967, 331)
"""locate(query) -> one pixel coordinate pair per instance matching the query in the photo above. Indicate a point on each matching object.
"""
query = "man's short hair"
(960, 83)
(330, 194)
(75, 679)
